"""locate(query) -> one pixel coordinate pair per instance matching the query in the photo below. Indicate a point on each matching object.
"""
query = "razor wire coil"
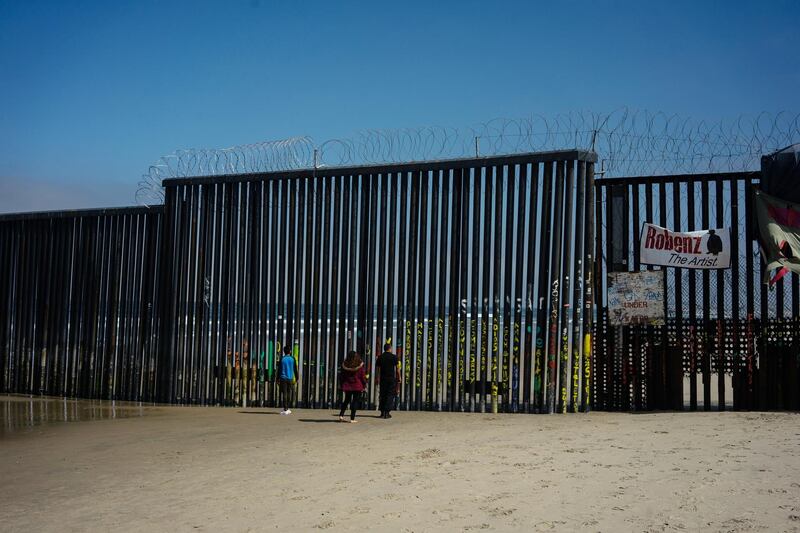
(628, 143)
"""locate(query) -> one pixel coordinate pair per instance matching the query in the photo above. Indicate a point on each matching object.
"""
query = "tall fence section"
(488, 277)
(468, 268)
(729, 341)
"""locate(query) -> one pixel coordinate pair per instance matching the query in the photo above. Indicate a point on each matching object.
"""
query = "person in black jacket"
(388, 375)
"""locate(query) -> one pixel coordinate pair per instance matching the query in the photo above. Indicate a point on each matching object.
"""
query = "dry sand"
(213, 469)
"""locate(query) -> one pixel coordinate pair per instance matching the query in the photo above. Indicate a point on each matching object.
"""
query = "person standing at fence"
(353, 381)
(388, 374)
(287, 377)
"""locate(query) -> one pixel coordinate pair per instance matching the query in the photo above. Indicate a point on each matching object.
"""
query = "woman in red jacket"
(352, 381)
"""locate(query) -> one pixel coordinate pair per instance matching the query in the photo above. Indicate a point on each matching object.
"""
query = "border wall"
(486, 275)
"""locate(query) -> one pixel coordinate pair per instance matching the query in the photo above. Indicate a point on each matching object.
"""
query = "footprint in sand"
(429, 453)
(499, 512)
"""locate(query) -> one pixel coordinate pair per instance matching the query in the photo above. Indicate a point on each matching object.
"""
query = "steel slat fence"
(479, 272)
(78, 301)
(730, 342)
(443, 260)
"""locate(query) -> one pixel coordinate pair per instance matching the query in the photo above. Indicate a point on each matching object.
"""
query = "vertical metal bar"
(656, 383)
(444, 356)
(275, 282)
(391, 259)
(475, 242)
(555, 287)
(526, 240)
(485, 324)
(229, 288)
(304, 265)
(578, 287)
(510, 363)
(157, 315)
(736, 356)
(672, 366)
(210, 301)
(403, 183)
(337, 183)
(329, 288)
(692, 303)
(348, 214)
(496, 291)
(705, 202)
(678, 276)
(46, 298)
(307, 302)
(356, 210)
(613, 368)
(568, 268)
(296, 265)
(640, 363)
(502, 295)
(410, 285)
(720, 274)
(214, 295)
(281, 284)
(321, 204)
(591, 258)
(531, 347)
(457, 326)
(259, 302)
(382, 259)
(5, 311)
(250, 293)
(293, 241)
(192, 296)
(165, 303)
(369, 283)
(543, 254)
(421, 232)
(433, 268)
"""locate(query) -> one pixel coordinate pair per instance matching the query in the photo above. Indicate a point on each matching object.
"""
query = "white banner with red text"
(704, 249)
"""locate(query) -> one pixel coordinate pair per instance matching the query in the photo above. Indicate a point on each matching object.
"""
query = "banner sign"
(636, 298)
(705, 249)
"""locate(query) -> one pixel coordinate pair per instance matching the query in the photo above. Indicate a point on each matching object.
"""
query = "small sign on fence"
(705, 249)
(636, 298)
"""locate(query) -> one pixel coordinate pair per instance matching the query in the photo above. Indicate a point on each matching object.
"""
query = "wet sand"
(152, 468)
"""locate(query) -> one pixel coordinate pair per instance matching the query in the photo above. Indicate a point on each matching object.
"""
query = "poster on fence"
(705, 249)
(636, 298)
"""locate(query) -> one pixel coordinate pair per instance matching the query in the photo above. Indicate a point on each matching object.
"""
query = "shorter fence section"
(729, 341)
(78, 300)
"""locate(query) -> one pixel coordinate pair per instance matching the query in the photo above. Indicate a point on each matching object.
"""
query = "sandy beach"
(153, 468)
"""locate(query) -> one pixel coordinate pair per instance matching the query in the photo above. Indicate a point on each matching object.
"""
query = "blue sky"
(92, 93)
